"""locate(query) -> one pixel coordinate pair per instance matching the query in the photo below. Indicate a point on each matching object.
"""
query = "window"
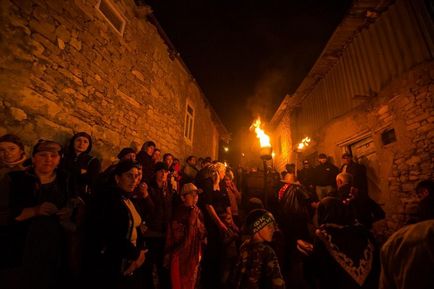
(388, 136)
(189, 123)
(112, 15)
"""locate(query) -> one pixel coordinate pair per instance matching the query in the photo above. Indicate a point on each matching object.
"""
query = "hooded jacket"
(74, 163)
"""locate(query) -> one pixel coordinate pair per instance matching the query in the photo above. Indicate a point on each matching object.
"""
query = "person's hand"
(64, 214)
(143, 190)
(194, 215)
(83, 171)
(223, 227)
(304, 247)
(45, 209)
(136, 264)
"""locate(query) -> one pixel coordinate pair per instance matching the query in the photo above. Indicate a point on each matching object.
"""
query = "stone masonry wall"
(407, 105)
(64, 69)
(285, 155)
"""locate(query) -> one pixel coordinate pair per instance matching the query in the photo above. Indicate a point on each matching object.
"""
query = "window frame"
(189, 123)
(116, 12)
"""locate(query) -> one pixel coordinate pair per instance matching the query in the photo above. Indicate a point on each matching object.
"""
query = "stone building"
(104, 67)
(371, 93)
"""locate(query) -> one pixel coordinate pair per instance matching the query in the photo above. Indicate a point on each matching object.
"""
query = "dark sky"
(247, 55)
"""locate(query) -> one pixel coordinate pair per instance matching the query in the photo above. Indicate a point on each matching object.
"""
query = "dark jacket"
(325, 174)
(40, 240)
(113, 226)
(306, 177)
(147, 166)
(74, 164)
(360, 179)
(162, 200)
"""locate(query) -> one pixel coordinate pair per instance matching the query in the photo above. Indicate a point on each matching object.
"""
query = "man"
(344, 183)
(358, 172)
(305, 176)
(325, 177)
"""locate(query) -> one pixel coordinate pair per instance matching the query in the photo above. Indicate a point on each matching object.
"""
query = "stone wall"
(64, 69)
(407, 106)
(282, 143)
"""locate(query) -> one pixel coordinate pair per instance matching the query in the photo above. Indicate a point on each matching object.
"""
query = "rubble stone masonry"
(407, 106)
(64, 69)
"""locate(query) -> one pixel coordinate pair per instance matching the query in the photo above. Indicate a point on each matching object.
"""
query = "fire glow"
(304, 143)
(264, 139)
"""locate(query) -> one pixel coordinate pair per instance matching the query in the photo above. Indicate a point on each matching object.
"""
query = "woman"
(40, 209)
(343, 255)
(222, 231)
(12, 154)
(83, 166)
(122, 246)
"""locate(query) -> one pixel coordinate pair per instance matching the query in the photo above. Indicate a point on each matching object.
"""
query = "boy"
(257, 266)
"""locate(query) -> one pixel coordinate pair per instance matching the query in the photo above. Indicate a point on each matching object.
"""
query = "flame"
(304, 143)
(264, 139)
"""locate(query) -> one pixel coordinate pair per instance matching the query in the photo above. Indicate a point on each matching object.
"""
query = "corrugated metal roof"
(375, 42)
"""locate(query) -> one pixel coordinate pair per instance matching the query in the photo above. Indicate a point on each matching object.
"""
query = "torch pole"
(264, 162)
(296, 163)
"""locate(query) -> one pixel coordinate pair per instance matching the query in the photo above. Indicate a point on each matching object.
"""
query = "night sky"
(247, 55)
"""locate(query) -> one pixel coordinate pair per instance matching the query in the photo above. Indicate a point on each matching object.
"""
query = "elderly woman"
(12, 154)
(39, 215)
(122, 246)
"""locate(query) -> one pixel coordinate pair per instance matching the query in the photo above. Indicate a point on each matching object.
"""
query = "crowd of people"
(148, 221)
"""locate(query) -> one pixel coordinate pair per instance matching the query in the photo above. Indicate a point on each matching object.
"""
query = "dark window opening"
(388, 136)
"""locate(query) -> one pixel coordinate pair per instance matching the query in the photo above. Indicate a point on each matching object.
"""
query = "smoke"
(269, 90)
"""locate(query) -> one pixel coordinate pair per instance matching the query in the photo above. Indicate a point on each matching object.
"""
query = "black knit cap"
(126, 165)
(126, 151)
(258, 219)
(12, 139)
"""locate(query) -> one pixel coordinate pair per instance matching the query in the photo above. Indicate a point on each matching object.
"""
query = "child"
(257, 266)
(185, 240)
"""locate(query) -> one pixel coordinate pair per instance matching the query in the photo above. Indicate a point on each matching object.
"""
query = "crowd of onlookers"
(151, 221)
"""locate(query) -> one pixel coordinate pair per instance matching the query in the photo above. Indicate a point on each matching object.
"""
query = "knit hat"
(258, 219)
(12, 139)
